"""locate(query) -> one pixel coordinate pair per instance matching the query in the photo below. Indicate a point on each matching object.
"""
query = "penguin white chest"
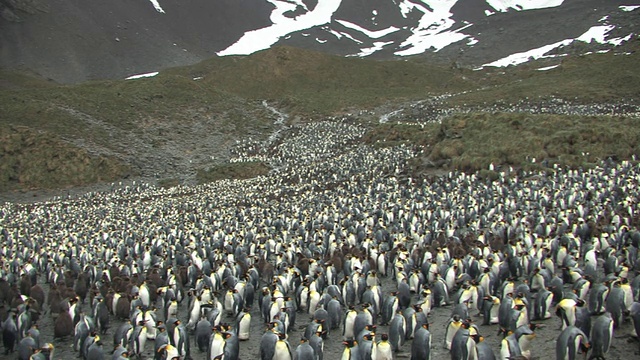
(282, 351)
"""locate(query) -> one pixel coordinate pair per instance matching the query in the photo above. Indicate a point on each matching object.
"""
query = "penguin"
(390, 305)
(425, 301)
(243, 324)
(304, 351)
(317, 325)
(232, 344)
(439, 293)
(101, 314)
(490, 310)
(282, 350)
(62, 327)
(348, 324)
(268, 343)
(26, 347)
(383, 349)
(86, 344)
(463, 345)
(350, 351)
(615, 304)
(421, 345)
(542, 305)
(138, 339)
(10, 332)
(317, 343)
(120, 352)
(397, 331)
(366, 345)
(452, 327)
(81, 332)
(169, 352)
(95, 350)
(180, 338)
(194, 310)
(597, 298)
(216, 344)
(202, 334)
(570, 343)
(162, 339)
(485, 352)
(334, 309)
(601, 336)
(150, 322)
(566, 310)
(517, 343)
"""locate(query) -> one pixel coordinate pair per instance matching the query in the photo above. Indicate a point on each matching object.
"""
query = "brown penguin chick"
(4, 290)
(63, 325)
(69, 278)
(16, 300)
(303, 264)
(155, 278)
(25, 285)
(54, 300)
(338, 260)
(81, 287)
(114, 271)
(37, 294)
(122, 307)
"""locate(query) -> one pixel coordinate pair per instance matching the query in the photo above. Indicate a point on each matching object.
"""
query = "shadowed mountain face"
(76, 40)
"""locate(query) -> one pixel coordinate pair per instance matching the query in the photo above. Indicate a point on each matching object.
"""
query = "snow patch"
(260, 39)
(505, 5)
(547, 67)
(433, 30)
(620, 40)
(140, 76)
(374, 34)
(377, 46)
(595, 33)
(533, 54)
(628, 8)
(156, 5)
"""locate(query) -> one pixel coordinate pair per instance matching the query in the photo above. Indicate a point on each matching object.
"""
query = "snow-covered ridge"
(435, 30)
(260, 39)
(597, 33)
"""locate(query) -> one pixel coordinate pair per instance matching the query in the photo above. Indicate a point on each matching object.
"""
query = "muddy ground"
(623, 345)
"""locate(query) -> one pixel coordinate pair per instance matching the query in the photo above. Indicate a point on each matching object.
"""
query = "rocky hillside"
(74, 41)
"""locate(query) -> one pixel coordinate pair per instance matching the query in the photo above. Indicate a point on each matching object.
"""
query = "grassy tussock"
(40, 160)
(474, 141)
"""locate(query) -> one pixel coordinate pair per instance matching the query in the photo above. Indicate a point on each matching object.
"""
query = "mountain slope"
(74, 41)
(173, 126)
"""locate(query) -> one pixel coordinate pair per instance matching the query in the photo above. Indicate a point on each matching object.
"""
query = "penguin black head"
(384, 337)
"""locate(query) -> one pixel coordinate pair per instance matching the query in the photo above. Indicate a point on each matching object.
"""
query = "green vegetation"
(317, 84)
(595, 78)
(35, 160)
(472, 142)
(238, 170)
(56, 136)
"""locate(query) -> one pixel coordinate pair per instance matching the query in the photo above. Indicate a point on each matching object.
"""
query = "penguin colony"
(336, 254)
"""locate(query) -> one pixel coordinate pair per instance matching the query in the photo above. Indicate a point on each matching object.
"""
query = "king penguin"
(601, 336)
(570, 343)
